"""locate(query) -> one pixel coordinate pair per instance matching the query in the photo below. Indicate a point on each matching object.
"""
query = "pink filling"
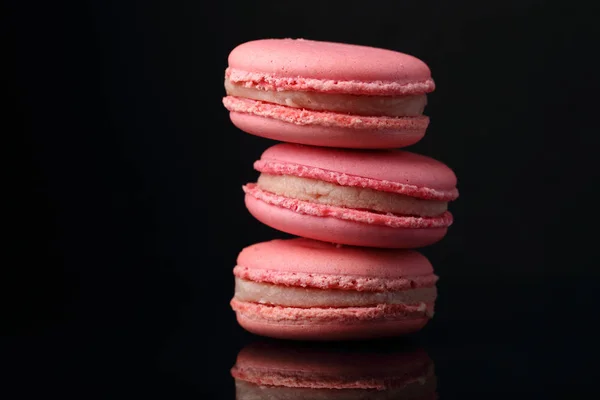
(283, 168)
(349, 214)
(264, 81)
(343, 282)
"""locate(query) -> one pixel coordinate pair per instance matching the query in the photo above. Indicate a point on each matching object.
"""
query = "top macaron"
(327, 94)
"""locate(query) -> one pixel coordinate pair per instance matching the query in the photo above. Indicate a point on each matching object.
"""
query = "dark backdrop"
(126, 210)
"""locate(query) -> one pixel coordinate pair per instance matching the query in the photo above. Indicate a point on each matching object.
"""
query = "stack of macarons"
(357, 204)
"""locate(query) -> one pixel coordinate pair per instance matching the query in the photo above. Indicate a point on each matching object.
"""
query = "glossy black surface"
(126, 211)
(489, 347)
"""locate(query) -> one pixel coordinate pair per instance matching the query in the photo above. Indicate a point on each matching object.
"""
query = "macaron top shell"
(300, 255)
(298, 64)
(397, 171)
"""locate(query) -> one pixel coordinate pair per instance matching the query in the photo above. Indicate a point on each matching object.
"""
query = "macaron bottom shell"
(335, 230)
(408, 132)
(331, 331)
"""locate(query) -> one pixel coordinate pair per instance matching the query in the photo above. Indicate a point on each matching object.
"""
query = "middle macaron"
(374, 198)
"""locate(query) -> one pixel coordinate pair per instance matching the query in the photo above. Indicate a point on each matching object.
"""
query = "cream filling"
(326, 193)
(267, 293)
(390, 106)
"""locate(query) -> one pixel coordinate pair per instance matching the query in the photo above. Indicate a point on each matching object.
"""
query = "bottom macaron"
(304, 289)
(267, 370)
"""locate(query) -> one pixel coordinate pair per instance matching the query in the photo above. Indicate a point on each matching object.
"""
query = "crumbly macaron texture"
(359, 198)
(336, 230)
(395, 171)
(408, 132)
(302, 262)
(298, 64)
(337, 282)
(326, 119)
(348, 214)
(331, 315)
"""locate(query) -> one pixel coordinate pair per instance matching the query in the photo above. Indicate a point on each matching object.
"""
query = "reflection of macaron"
(377, 198)
(327, 94)
(309, 290)
(280, 371)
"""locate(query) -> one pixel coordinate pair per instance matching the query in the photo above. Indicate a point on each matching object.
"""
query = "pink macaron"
(327, 94)
(305, 289)
(280, 370)
(377, 198)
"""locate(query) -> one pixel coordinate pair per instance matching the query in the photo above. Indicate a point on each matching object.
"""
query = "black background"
(126, 212)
